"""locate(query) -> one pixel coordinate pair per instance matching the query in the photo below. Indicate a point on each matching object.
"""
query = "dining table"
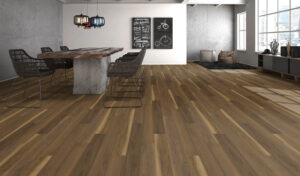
(89, 66)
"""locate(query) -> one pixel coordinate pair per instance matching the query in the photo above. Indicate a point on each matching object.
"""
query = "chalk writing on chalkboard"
(141, 32)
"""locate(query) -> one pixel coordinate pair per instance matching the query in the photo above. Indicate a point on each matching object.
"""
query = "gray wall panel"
(28, 24)
(209, 28)
(249, 56)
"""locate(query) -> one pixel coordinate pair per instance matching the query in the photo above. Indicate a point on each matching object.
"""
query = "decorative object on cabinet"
(274, 47)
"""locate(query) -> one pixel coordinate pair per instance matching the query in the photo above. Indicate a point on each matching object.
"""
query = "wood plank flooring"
(194, 122)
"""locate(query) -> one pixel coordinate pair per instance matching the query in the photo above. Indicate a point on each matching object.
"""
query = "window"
(241, 34)
(280, 20)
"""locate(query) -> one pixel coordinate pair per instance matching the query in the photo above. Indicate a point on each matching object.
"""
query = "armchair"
(227, 57)
(27, 67)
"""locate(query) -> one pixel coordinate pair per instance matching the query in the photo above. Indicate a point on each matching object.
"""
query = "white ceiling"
(122, 1)
(161, 1)
(230, 2)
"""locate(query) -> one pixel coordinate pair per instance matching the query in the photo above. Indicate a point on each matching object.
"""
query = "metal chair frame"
(64, 48)
(28, 67)
(139, 97)
(128, 70)
(59, 63)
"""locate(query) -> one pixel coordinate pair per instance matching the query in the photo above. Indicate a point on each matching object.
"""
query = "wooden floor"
(194, 122)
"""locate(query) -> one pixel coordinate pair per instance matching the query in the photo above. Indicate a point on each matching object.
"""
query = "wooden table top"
(80, 53)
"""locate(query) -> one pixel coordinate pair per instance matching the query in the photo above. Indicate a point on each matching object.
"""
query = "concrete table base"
(90, 75)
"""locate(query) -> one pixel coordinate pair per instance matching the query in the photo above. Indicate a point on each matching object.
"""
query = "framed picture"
(141, 33)
(163, 33)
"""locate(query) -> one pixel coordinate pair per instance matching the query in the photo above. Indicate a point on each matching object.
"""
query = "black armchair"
(128, 57)
(27, 67)
(59, 63)
(69, 62)
(128, 70)
(64, 48)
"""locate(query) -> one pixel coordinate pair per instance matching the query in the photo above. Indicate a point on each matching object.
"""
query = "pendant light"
(97, 21)
(81, 20)
(88, 24)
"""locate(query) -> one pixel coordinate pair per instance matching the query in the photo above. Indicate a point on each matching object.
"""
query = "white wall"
(117, 30)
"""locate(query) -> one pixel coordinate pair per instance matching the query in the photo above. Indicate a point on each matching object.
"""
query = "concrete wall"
(249, 56)
(117, 30)
(209, 28)
(28, 24)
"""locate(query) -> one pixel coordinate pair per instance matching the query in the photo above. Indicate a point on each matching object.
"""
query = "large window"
(280, 20)
(241, 34)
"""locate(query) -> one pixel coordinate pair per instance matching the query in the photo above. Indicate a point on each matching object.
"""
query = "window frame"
(239, 30)
(290, 31)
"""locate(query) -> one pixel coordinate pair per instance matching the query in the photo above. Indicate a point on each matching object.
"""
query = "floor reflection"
(287, 98)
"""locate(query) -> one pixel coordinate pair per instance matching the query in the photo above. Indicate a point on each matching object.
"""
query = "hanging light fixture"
(82, 20)
(97, 21)
(88, 24)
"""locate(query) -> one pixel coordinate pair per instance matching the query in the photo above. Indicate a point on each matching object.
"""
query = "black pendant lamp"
(97, 21)
(81, 20)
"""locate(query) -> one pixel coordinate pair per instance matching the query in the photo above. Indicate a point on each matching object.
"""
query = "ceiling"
(161, 1)
(122, 1)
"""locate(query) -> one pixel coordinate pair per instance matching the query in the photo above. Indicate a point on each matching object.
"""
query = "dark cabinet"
(295, 67)
(280, 64)
(268, 62)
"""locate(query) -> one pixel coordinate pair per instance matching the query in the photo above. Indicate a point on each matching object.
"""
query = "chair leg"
(134, 84)
(138, 97)
(65, 73)
(25, 87)
(53, 80)
(139, 77)
(138, 81)
(25, 90)
(67, 78)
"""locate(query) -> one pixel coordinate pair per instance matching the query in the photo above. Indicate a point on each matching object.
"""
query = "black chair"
(28, 67)
(129, 69)
(59, 63)
(64, 48)
(68, 61)
(126, 58)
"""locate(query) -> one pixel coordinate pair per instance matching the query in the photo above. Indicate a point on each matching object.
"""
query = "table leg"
(90, 75)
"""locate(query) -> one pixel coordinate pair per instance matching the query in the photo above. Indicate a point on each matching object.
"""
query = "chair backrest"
(46, 50)
(139, 58)
(23, 63)
(143, 53)
(64, 48)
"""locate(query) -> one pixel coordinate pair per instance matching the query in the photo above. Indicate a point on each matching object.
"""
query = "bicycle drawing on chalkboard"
(163, 26)
(164, 41)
